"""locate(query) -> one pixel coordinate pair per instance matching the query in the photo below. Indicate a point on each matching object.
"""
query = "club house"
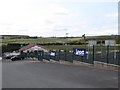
(33, 47)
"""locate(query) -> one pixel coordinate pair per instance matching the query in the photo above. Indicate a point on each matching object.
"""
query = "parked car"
(9, 56)
(17, 57)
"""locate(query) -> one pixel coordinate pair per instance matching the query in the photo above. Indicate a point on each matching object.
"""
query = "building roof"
(33, 47)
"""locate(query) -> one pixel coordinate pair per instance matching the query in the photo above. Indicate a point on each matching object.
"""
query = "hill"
(22, 39)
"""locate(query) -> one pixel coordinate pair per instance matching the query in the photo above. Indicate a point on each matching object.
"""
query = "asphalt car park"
(28, 74)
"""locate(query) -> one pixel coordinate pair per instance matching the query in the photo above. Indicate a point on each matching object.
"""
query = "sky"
(48, 18)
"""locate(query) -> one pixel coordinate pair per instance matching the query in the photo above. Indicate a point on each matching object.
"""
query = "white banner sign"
(91, 43)
(110, 42)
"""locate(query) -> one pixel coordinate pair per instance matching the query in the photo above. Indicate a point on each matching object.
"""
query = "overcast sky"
(57, 17)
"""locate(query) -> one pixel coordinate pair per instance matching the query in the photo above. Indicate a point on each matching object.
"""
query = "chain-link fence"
(106, 54)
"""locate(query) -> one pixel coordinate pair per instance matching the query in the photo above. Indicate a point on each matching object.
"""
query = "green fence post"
(55, 56)
(59, 54)
(49, 57)
(39, 55)
(93, 54)
(108, 54)
(28, 54)
(73, 55)
(42, 55)
(65, 55)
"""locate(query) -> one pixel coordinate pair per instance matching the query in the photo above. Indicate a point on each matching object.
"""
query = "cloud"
(46, 18)
(104, 30)
(31, 16)
(86, 1)
(112, 14)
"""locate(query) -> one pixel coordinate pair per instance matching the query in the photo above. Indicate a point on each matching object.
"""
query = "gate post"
(73, 55)
(59, 54)
(93, 54)
(65, 55)
(42, 55)
(108, 54)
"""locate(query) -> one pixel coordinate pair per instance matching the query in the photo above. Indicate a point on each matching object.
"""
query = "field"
(14, 42)
(63, 47)
(39, 40)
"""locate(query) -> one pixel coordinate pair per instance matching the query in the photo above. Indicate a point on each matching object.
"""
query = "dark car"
(9, 57)
(17, 57)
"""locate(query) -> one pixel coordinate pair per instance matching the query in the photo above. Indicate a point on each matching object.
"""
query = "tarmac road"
(28, 74)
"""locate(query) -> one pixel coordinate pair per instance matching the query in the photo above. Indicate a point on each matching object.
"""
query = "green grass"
(39, 40)
(63, 47)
